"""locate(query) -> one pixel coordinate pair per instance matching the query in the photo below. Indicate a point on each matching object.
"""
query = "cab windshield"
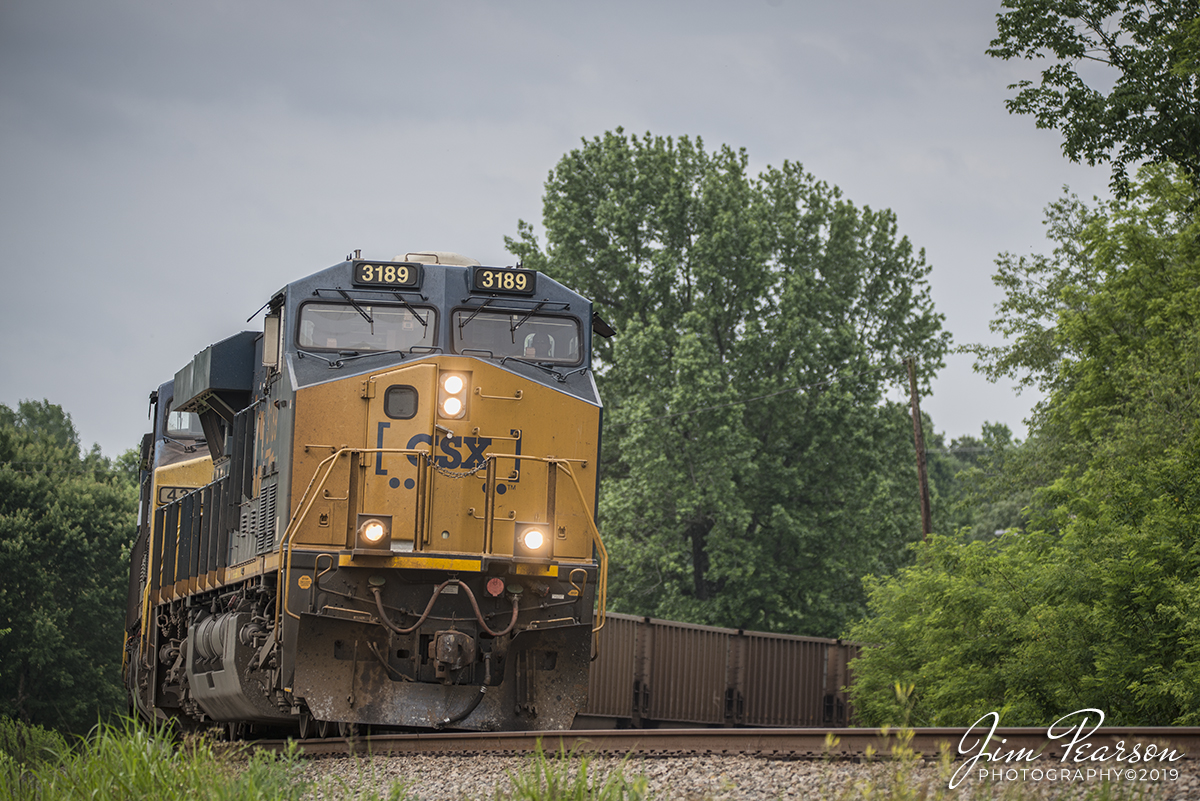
(340, 326)
(525, 336)
(184, 424)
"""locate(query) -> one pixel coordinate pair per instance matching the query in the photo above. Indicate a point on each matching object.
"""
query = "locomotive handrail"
(602, 591)
(302, 512)
(328, 463)
(565, 465)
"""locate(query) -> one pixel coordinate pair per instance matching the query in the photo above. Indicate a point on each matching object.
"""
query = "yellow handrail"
(565, 465)
(602, 591)
(302, 512)
(328, 463)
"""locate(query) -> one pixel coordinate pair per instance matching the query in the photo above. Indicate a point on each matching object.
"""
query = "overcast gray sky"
(164, 167)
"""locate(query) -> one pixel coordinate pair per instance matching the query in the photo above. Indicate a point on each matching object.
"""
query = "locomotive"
(377, 510)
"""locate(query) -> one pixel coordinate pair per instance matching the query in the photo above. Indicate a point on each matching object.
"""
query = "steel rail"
(780, 743)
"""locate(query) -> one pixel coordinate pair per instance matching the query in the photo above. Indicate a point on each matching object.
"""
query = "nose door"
(401, 415)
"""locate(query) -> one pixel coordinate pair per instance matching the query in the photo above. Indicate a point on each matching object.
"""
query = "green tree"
(753, 468)
(972, 481)
(1148, 52)
(1097, 603)
(66, 519)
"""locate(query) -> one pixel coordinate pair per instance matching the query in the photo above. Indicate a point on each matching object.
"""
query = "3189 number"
(386, 274)
(518, 281)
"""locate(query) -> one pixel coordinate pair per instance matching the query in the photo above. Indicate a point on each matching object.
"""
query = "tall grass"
(559, 779)
(131, 762)
(25, 744)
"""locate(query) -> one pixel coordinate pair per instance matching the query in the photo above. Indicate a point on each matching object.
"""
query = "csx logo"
(455, 452)
(449, 453)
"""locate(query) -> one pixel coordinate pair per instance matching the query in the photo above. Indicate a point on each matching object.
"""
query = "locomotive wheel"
(311, 728)
(347, 730)
(235, 730)
(308, 726)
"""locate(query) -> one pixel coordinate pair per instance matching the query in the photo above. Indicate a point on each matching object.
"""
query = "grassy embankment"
(127, 761)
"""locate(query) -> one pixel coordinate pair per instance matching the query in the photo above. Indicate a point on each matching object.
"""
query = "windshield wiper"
(302, 352)
(350, 355)
(512, 329)
(186, 447)
(357, 308)
(463, 323)
(411, 310)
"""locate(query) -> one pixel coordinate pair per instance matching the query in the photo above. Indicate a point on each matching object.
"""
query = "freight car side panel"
(655, 673)
(784, 680)
(611, 689)
(688, 672)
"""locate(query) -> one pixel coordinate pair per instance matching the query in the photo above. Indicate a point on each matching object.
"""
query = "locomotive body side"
(394, 521)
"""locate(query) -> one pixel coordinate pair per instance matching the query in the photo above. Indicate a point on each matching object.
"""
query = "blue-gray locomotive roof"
(446, 288)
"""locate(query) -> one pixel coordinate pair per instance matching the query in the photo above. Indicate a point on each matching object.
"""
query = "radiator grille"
(264, 530)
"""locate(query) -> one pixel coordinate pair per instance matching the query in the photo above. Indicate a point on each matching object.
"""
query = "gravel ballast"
(719, 778)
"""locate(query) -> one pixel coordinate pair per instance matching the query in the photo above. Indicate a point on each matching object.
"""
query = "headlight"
(533, 539)
(373, 531)
(452, 396)
(374, 534)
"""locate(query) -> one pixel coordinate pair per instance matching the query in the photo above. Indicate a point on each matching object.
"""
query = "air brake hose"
(429, 608)
(471, 707)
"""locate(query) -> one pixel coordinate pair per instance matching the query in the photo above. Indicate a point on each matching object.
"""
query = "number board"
(168, 494)
(394, 275)
(508, 280)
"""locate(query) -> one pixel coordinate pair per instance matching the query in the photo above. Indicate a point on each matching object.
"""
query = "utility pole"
(919, 442)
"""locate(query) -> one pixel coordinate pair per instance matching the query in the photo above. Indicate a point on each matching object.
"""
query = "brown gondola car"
(377, 510)
(660, 673)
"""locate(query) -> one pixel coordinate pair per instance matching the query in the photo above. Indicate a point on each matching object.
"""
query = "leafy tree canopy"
(66, 519)
(1147, 52)
(753, 469)
(1097, 601)
(972, 482)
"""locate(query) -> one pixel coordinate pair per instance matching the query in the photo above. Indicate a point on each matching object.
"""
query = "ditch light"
(373, 536)
(533, 540)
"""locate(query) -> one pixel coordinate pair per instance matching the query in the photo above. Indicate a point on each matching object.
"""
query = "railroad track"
(852, 744)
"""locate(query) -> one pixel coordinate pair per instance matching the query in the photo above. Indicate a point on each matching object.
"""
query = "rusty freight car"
(659, 673)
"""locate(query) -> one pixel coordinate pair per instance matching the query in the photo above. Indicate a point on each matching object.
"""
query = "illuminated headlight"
(374, 533)
(533, 539)
(452, 396)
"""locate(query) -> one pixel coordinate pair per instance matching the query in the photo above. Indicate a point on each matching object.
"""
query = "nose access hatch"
(401, 414)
